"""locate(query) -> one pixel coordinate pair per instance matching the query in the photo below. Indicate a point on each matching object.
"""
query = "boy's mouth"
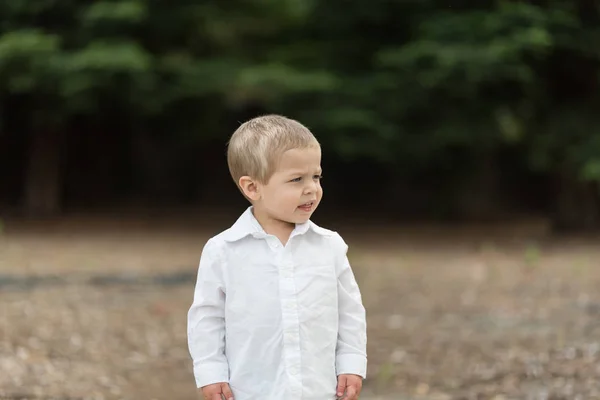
(306, 206)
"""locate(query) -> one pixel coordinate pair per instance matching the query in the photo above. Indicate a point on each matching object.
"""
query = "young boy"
(277, 313)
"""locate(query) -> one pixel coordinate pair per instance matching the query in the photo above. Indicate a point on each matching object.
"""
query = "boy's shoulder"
(322, 231)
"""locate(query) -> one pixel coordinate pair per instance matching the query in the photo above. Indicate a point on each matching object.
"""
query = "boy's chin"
(301, 219)
(297, 218)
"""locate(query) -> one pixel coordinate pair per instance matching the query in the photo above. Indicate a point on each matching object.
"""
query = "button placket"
(291, 342)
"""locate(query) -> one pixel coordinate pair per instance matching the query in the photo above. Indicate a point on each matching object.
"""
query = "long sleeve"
(351, 353)
(206, 320)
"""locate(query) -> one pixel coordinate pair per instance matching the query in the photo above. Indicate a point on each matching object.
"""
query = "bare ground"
(95, 308)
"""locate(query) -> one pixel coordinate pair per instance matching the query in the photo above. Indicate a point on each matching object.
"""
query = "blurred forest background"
(433, 109)
(470, 118)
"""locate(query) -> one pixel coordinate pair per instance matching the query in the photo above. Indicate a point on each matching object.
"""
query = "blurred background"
(461, 146)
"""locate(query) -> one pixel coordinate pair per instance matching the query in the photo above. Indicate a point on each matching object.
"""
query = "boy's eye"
(296, 179)
(318, 177)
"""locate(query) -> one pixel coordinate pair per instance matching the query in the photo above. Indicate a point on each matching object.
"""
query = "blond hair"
(255, 147)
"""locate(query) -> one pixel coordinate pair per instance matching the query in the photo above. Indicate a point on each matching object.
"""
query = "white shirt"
(276, 322)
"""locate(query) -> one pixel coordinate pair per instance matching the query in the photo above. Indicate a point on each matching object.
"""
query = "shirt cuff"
(207, 374)
(354, 364)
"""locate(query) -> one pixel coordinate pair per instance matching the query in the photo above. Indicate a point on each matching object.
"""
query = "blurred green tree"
(416, 85)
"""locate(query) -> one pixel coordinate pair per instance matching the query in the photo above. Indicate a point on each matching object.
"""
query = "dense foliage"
(412, 85)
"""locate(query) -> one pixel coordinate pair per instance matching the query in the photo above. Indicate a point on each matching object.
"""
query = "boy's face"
(294, 190)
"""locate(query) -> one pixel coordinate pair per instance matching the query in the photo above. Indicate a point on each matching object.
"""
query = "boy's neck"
(281, 229)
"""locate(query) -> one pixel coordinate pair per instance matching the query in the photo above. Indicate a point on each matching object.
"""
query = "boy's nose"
(310, 188)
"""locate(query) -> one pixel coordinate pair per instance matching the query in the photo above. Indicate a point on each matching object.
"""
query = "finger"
(351, 393)
(216, 396)
(341, 387)
(227, 391)
(358, 390)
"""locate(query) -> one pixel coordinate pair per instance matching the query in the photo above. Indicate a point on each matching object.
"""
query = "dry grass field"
(94, 308)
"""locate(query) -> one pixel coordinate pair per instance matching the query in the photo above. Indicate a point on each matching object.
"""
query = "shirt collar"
(247, 225)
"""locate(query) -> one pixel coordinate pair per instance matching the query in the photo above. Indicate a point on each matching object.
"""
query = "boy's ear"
(250, 188)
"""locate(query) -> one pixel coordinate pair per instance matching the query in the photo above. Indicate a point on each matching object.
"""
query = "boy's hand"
(350, 385)
(214, 391)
